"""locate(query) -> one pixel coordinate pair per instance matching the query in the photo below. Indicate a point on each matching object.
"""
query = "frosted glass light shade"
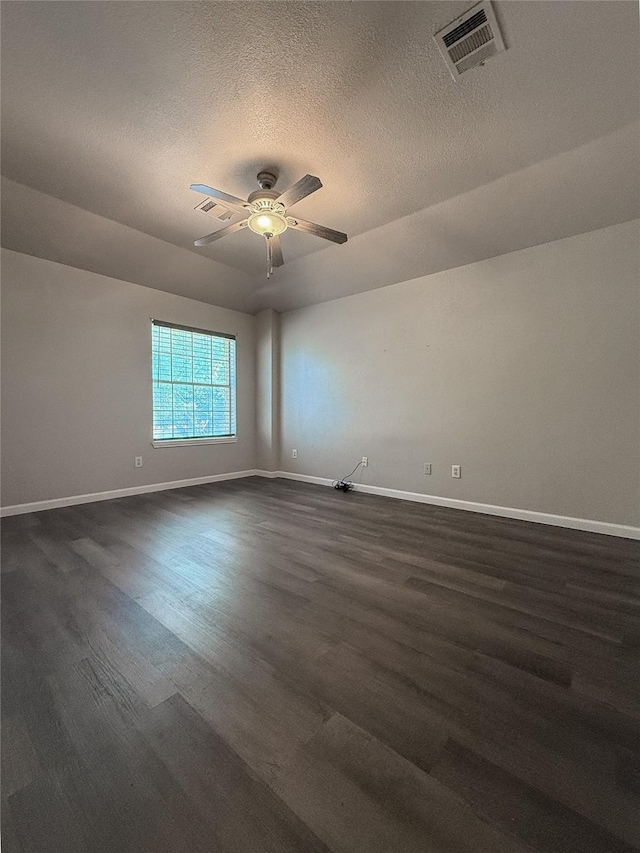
(267, 222)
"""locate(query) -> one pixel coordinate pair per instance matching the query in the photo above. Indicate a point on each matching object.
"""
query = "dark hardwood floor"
(258, 666)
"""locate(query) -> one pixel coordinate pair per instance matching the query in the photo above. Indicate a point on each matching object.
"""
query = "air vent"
(211, 208)
(470, 40)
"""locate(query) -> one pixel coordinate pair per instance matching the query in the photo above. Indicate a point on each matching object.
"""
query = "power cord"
(345, 485)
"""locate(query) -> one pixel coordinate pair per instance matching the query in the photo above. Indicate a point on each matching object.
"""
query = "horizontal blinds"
(193, 383)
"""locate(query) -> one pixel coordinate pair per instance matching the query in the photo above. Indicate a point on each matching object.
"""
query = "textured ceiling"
(115, 108)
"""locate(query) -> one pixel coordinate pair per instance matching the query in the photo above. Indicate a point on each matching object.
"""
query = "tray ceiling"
(115, 108)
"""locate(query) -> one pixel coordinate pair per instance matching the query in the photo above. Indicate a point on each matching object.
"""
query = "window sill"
(188, 442)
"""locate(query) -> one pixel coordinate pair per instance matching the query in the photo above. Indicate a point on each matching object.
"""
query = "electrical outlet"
(137, 461)
(365, 461)
(294, 454)
(455, 471)
(427, 467)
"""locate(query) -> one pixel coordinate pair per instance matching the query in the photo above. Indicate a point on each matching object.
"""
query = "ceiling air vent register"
(470, 40)
(212, 209)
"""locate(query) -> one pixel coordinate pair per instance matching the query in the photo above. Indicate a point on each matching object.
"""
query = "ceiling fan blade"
(276, 251)
(318, 230)
(230, 201)
(302, 188)
(204, 241)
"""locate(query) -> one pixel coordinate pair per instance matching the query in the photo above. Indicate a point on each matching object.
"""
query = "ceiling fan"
(265, 212)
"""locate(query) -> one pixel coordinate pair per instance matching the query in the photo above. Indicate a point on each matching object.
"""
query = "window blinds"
(194, 383)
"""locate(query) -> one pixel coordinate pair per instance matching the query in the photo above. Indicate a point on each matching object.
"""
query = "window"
(194, 385)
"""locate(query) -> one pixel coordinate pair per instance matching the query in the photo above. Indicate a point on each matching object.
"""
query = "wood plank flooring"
(263, 666)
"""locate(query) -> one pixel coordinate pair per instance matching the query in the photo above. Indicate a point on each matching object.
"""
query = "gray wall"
(524, 369)
(76, 387)
(268, 390)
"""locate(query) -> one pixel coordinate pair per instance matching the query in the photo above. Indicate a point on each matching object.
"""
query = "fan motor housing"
(259, 194)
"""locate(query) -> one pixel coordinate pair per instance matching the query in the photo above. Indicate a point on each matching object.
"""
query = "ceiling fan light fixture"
(267, 222)
(265, 213)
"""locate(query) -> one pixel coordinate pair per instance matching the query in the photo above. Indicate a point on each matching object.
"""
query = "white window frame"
(196, 440)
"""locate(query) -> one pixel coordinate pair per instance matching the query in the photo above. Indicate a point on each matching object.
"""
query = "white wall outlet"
(427, 467)
(455, 471)
(137, 461)
(294, 454)
(365, 461)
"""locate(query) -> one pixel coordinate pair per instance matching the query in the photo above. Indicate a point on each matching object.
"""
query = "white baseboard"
(606, 527)
(72, 500)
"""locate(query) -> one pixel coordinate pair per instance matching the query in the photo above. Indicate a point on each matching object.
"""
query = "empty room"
(320, 426)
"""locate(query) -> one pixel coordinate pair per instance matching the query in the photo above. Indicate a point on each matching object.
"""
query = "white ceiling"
(113, 109)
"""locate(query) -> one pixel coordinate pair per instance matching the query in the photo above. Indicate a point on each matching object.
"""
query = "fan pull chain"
(269, 255)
